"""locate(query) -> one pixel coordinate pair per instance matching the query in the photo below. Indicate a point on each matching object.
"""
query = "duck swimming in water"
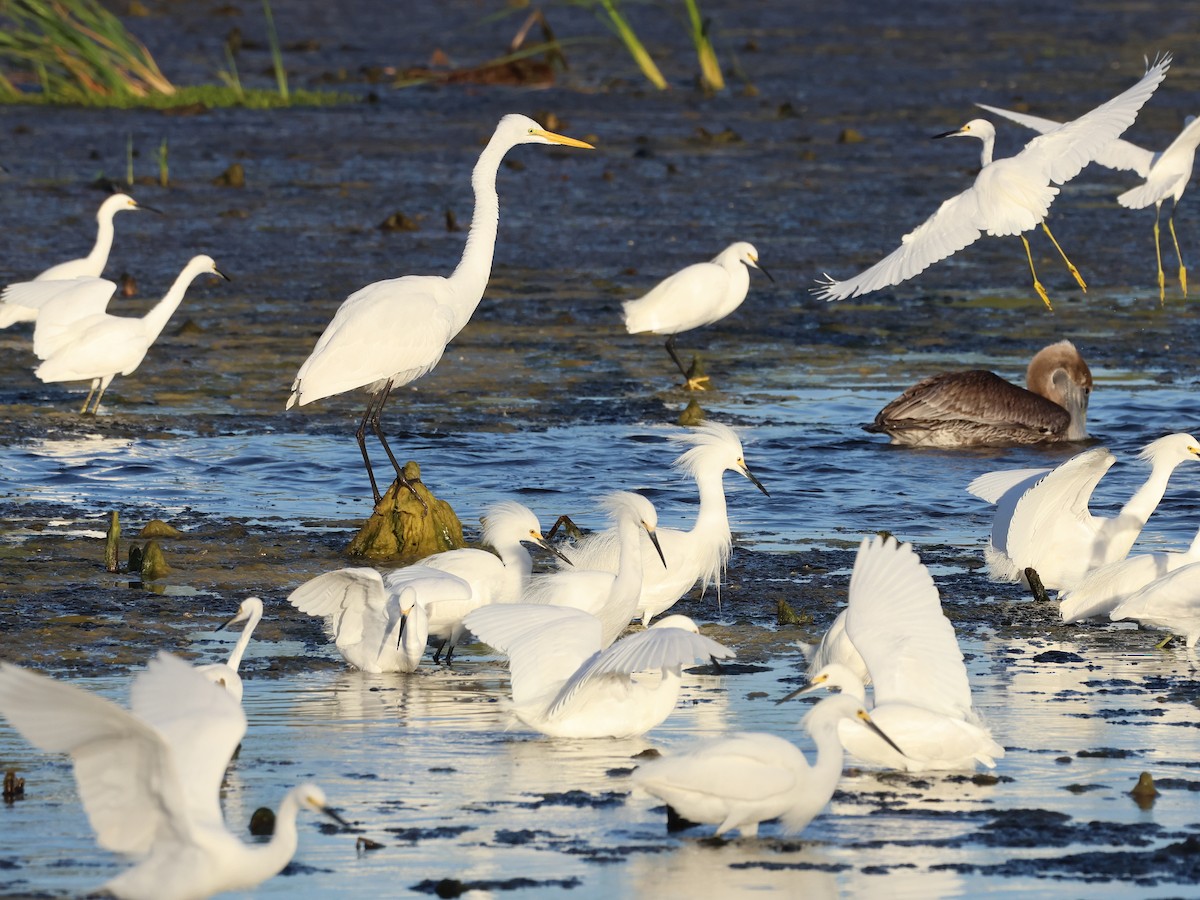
(963, 409)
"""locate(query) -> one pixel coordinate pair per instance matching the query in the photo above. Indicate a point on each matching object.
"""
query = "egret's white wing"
(991, 486)
(1104, 587)
(446, 596)
(1170, 597)
(667, 305)
(651, 650)
(1119, 154)
(127, 780)
(895, 620)
(1063, 152)
(62, 305)
(342, 597)
(202, 724)
(545, 645)
(585, 590)
(745, 766)
(836, 647)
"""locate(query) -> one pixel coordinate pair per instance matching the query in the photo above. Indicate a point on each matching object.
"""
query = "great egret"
(922, 699)
(97, 346)
(700, 294)
(742, 779)
(392, 332)
(23, 301)
(566, 684)
(611, 598)
(696, 555)
(226, 673)
(1010, 196)
(962, 409)
(1043, 521)
(1170, 603)
(150, 778)
(1167, 174)
(507, 526)
(1102, 589)
(379, 628)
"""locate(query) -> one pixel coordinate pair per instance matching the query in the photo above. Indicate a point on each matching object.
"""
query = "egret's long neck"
(98, 258)
(156, 320)
(627, 586)
(822, 780)
(471, 277)
(710, 483)
(518, 566)
(985, 155)
(265, 860)
(1127, 525)
(235, 658)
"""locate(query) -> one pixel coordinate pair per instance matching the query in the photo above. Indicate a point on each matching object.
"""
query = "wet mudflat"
(542, 397)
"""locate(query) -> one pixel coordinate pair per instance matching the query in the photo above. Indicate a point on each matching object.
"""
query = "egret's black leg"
(690, 382)
(378, 430)
(361, 436)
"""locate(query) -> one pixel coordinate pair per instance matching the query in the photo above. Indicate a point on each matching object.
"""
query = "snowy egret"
(1099, 592)
(1167, 174)
(922, 697)
(392, 332)
(611, 598)
(377, 627)
(696, 555)
(1170, 603)
(24, 305)
(835, 646)
(99, 346)
(1009, 196)
(566, 684)
(742, 779)
(961, 409)
(226, 673)
(1043, 522)
(700, 294)
(507, 525)
(150, 778)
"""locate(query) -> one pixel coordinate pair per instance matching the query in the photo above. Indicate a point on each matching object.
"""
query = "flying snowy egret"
(1170, 603)
(22, 302)
(226, 673)
(392, 332)
(611, 598)
(1009, 196)
(566, 684)
(98, 346)
(150, 778)
(1043, 522)
(742, 779)
(700, 294)
(377, 627)
(1102, 589)
(922, 697)
(1167, 174)
(696, 555)
(962, 409)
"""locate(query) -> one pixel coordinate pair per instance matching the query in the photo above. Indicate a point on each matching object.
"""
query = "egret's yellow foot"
(1078, 277)
(1162, 287)
(1041, 291)
(1165, 642)
(695, 383)
(1183, 280)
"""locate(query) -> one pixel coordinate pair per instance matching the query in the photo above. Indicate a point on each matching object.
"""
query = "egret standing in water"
(698, 295)
(23, 301)
(1167, 174)
(150, 778)
(98, 346)
(977, 407)
(1010, 196)
(746, 778)
(392, 332)
(226, 673)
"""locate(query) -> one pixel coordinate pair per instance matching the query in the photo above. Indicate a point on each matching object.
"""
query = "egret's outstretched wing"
(958, 223)
(342, 598)
(442, 594)
(545, 645)
(61, 305)
(655, 649)
(991, 486)
(1119, 154)
(895, 620)
(836, 647)
(127, 780)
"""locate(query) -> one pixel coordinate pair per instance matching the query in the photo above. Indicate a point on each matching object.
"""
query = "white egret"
(23, 301)
(696, 555)
(1043, 522)
(150, 778)
(392, 332)
(1010, 196)
(611, 598)
(226, 674)
(507, 526)
(379, 628)
(1167, 174)
(922, 699)
(700, 294)
(1099, 592)
(742, 779)
(566, 684)
(1170, 603)
(961, 409)
(98, 346)
(835, 646)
